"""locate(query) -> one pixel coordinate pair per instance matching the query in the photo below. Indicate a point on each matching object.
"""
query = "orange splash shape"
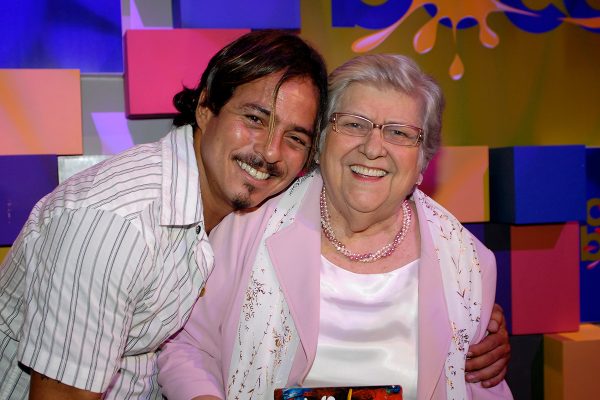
(591, 23)
(425, 38)
(369, 42)
(455, 11)
(457, 69)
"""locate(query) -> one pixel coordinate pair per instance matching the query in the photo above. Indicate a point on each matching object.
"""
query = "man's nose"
(272, 148)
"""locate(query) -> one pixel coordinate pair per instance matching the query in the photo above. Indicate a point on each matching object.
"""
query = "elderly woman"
(351, 277)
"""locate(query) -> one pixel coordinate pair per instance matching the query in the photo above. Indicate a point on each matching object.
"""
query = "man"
(109, 265)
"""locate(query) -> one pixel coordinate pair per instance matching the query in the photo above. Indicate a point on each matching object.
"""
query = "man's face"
(241, 163)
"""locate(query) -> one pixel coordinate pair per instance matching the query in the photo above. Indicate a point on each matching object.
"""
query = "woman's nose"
(374, 144)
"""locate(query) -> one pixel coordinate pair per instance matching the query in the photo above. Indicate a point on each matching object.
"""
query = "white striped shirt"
(105, 269)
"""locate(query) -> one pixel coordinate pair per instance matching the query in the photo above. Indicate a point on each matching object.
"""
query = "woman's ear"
(419, 179)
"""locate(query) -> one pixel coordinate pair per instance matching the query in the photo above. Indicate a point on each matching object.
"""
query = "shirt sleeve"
(83, 276)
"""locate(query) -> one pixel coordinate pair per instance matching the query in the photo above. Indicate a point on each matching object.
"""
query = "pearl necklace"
(385, 251)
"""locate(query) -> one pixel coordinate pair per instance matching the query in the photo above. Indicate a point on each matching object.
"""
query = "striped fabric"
(105, 269)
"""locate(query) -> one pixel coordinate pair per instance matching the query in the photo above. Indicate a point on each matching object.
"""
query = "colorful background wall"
(81, 80)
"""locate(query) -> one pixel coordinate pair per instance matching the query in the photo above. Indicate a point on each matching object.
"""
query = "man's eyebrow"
(301, 129)
(256, 107)
(267, 113)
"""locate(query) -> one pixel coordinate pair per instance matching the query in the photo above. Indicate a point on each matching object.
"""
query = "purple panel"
(590, 242)
(253, 14)
(478, 230)
(497, 238)
(525, 375)
(74, 34)
(24, 180)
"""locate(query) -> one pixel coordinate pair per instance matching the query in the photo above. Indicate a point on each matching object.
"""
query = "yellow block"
(572, 364)
(458, 178)
(40, 111)
(3, 253)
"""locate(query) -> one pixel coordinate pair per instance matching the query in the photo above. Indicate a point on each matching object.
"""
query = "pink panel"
(159, 62)
(40, 112)
(458, 178)
(545, 278)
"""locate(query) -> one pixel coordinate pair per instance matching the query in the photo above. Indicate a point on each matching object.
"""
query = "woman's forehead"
(374, 101)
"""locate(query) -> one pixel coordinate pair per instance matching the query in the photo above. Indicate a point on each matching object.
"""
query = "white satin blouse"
(368, 329)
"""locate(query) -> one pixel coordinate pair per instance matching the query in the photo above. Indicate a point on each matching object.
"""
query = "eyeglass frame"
(418, 141)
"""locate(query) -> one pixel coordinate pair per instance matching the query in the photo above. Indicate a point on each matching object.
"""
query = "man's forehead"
(260, 94)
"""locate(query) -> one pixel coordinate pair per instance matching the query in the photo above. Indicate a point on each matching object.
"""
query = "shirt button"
(198, 229)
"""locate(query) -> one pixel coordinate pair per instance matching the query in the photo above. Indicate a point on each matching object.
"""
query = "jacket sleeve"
(488, 274)
(192, 362)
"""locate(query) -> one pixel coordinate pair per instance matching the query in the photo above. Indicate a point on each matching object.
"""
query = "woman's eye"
(396, 132)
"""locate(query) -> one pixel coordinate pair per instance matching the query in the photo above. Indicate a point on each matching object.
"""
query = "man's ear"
(202, 112)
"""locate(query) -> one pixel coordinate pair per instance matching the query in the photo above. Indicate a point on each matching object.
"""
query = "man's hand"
(487, 361)
(44, 388)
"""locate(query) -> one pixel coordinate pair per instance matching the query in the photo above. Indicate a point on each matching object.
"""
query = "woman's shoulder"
(254, 219)
(436, 211)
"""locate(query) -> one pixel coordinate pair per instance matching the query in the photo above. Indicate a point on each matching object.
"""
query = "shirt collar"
(181, 201)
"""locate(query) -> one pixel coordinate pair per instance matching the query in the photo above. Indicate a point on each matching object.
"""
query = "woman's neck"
(352, 224)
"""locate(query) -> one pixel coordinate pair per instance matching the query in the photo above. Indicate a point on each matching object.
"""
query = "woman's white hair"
(391, 71)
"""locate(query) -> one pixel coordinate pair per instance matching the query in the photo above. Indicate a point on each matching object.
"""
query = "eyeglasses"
(354, 125)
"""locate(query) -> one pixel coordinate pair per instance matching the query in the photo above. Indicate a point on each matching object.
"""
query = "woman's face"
(368, 174)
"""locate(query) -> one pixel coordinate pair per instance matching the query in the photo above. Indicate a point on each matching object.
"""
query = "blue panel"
(502, 185)
(226, 14)
(24, 180)
(590, 242)
(75, 34)
(549, 184)
(537, 184)
(351, 13)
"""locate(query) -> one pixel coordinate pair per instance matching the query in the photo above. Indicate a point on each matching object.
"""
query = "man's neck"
(212, 216)
(214, 207)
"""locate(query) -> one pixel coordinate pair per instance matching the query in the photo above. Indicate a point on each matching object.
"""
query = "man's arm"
(44, 388)
(488, 360)
(81, 297)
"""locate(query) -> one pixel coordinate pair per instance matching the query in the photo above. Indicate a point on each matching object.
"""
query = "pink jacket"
(197, 359)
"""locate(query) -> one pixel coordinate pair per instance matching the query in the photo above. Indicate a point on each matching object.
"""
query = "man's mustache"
(258, 162)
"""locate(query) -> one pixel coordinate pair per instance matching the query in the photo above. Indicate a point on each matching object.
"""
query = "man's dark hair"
(253, 56)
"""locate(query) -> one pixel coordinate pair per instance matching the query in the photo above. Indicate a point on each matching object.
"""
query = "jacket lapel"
(295, 252)
(434, 326)
(296, 255)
